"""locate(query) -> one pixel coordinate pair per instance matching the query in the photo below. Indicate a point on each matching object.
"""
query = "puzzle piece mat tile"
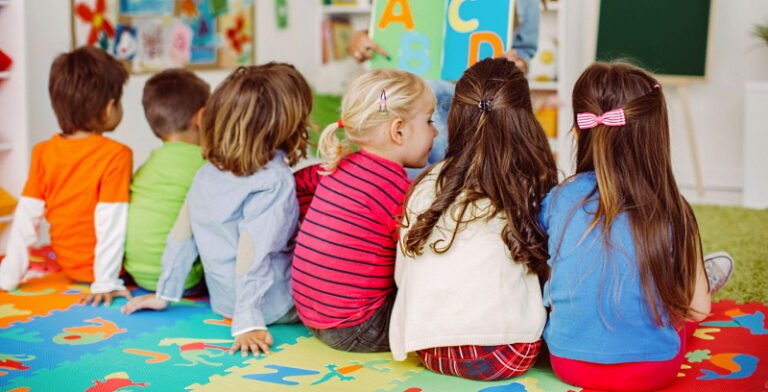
(47, 342)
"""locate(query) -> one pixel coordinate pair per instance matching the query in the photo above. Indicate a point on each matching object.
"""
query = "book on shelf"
(336, 35)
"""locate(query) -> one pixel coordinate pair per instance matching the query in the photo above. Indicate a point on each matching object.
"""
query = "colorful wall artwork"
(151, 35)
(439, 39)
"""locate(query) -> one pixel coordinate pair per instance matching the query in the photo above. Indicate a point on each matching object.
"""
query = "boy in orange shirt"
(78, 179)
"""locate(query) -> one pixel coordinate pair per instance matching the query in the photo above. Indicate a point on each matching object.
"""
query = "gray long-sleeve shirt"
(243, 229)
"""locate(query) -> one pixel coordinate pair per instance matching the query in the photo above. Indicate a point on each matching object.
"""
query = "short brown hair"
(171, 98)
(256, 111)
(80, 85)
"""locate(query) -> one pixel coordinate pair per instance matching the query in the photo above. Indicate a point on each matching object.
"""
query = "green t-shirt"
(158, 191)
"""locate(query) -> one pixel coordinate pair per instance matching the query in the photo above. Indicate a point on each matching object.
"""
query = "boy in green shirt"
(173, 101)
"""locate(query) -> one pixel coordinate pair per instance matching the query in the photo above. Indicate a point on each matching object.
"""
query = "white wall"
(717, 106)
(44, 44)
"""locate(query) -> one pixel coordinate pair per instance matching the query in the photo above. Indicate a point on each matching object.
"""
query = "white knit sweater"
(473, 294)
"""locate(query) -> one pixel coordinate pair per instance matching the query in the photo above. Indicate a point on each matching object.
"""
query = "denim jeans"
(444, 93)
(370, 336)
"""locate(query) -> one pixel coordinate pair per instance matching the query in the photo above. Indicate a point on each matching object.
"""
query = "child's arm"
(26, 220)
(269, 223)
(179, 255)
(307, 180)
(701, 303)
(110, 222)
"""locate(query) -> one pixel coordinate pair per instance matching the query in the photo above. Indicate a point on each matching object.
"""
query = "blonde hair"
(256, 111)
(362, 110)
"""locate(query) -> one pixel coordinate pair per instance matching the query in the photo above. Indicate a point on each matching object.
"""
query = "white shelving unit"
(14, 129)
(346, 9)
(358, 13)
(553, 38)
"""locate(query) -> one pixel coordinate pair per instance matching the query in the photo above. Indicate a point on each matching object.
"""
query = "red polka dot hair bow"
(612, 118)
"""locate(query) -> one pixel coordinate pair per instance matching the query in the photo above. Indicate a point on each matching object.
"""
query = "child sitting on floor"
(78, 179)
(173, 104)
(345, 252)
(628, 279)
(241, 211)
(471, 251)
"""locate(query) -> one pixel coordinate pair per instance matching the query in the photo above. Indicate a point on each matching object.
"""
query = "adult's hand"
(362, 48)
(511, 55)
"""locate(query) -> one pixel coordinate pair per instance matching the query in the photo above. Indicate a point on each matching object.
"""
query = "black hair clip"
(485, 106)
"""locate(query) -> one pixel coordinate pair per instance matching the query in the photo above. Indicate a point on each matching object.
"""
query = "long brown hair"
(500, 154)
(256, 111)
(634, 176)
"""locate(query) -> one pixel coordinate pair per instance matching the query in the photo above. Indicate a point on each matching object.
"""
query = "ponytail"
(331, 148)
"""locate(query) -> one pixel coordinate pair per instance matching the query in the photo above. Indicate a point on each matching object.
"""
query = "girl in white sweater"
(471, 252)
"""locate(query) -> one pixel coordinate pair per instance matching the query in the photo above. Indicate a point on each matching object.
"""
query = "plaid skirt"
(484, 363)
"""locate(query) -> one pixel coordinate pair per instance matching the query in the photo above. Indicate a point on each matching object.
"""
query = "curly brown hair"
(496, 152)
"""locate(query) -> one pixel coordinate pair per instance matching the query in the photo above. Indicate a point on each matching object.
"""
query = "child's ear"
(108, 109)
(396, 131)
(197, 118)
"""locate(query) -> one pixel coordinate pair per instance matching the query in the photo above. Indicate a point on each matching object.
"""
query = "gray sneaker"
(719, 268)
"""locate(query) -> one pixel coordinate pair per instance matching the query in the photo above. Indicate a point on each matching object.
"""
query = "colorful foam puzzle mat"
(49, 343)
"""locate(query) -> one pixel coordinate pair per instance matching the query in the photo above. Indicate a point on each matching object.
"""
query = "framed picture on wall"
(151, 35)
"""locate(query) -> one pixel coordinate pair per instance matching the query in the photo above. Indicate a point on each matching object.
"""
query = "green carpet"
(743, 233)
(325, 110)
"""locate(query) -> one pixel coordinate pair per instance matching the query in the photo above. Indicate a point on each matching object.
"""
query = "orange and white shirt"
(82, 188)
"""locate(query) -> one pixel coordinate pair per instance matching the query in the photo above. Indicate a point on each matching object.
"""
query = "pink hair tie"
(612, 118)
(340, 124)
(656, 85)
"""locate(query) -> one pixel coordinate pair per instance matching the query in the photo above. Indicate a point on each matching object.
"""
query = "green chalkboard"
(666, 37)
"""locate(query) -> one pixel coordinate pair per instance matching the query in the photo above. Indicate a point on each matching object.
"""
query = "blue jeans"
(444, 91)
(371, 336)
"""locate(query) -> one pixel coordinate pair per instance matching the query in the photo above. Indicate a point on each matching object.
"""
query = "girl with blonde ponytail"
(343, 264)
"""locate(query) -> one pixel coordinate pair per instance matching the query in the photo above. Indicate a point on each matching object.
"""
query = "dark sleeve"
(307, 180)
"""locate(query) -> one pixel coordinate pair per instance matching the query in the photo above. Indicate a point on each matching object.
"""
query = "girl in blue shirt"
(627, 277)
(241, 211)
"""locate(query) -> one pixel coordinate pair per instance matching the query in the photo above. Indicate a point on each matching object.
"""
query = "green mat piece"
(743, 233)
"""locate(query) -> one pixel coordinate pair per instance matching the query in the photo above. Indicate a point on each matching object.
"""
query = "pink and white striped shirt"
(343, 265)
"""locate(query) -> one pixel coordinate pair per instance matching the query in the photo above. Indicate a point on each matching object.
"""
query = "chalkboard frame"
(668, 78)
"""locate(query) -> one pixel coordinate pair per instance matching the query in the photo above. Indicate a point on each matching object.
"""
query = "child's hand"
(105, 297)
(252, 341)
(147, 301)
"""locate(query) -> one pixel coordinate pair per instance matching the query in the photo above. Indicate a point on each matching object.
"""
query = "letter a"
(388, 16)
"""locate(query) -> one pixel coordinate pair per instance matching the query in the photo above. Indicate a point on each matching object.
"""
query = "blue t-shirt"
(598, 308)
